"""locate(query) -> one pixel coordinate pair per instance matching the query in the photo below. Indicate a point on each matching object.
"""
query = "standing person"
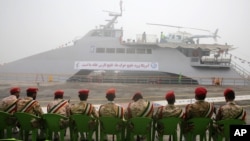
(9, 104)
(59, 105)
(83, 107)
(139, 107)
(144, 37)
(200, 108)
(111, 109)
(170, 110)
(29, 104)
(163, 38)
(230, 110)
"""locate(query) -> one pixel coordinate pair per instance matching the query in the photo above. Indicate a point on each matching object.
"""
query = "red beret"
(83, 92)
(110, 91)
(199, 91)
(15, 90)
(32, 90)
(170, 95)
(59, 92)
(227, 91)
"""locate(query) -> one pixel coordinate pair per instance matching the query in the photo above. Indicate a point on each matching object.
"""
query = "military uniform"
(140, 108)
(29, 105)
(111, 109)
(84, 108)
(228, 111)
(169, 110)
(9, 104)
(59, 105)
(200, 108)
(231, 111)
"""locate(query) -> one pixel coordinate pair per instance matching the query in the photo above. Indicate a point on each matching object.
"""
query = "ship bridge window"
(130, 51)
(173, 36)
(120, 50)
(100, 50)
(110, 50)
(96, 33)
(178, 37)
(140, 51)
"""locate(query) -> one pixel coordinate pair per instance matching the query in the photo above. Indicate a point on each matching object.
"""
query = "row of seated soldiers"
(139, 107)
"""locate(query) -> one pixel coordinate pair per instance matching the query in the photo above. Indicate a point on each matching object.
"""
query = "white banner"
(98, 65)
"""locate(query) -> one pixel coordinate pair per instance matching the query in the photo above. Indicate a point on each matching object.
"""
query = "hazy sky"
(28, 27)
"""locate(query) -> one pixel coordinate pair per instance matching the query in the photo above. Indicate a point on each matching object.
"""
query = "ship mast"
(110, 24)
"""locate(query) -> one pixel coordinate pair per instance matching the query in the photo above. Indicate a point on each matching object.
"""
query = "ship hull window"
(130, 51)
(100, 50)
(120, 50)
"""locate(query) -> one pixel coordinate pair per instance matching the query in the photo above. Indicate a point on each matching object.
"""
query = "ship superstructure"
(103, 55)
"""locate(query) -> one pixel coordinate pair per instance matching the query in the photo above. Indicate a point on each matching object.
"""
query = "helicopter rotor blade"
(178, 27)
(164, 25)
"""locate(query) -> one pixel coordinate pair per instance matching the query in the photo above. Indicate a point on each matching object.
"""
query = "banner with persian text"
(101, 65)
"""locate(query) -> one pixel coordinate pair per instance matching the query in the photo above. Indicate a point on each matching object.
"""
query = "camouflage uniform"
(8, 104)
(111, 109)
(29, 105)
(231, 111)
(169, 110)
(200, 108)
(84, 108)
(59, 106)
(140, 108)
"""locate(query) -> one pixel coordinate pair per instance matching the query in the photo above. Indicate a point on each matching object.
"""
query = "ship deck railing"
(136, 79)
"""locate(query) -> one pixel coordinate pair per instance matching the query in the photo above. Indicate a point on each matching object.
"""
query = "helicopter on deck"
(184, 37)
